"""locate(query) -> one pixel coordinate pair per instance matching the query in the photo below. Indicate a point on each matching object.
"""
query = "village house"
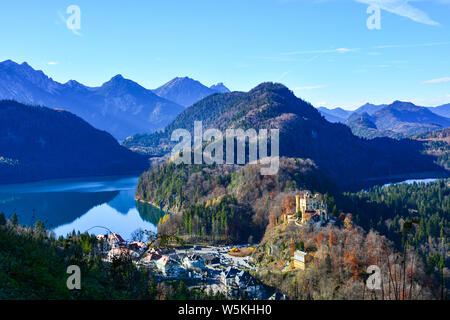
(113, 240)
(228, 276)
(300, 259)
(166, 265)
(247, 286)
(116, 240)
(137, 245)
(241, 284)
(193, 262)
(122, 252)
(151, 256)
(103, 239)
(211, 259)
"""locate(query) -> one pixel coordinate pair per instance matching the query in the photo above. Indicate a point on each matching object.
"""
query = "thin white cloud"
(53, 63)
(438, 80)
(344, 50)
(337, 50)
(402, 8)
(309, 87)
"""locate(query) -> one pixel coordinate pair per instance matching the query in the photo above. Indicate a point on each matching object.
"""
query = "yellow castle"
(312, 208)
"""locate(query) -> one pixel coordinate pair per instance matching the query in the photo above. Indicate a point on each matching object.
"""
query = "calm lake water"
(81, 204)
(85, 205)
(411, 181)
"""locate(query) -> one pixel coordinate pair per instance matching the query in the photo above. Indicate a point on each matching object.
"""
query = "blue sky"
(321, 49)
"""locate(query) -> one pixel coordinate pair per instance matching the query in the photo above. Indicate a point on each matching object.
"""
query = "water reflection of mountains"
(149, 213)
(55, 209)
(124, 202)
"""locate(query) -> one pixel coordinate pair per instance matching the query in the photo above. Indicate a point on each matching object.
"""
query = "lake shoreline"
(80, 204)
(154, 205)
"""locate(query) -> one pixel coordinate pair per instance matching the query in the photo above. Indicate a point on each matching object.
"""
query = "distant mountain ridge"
(443, 110)
(335, 115)
(363, 125)
(370, 108)
(186, 91)
(120, 106)
(39, 143)
(341, 115)
(220, 87)
(396, 120)
(399, 119)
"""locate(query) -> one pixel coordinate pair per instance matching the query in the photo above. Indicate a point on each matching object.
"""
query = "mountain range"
(341, 115)
(370, 108)
(124, 108)
(335, 115)
(396, 120)
(399, 119)
(120, 106)
(304, 133)
(220, 87)
(39, 143)
(186, 91)
(443, 110)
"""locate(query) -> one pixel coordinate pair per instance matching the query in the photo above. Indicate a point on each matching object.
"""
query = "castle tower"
(297, 203)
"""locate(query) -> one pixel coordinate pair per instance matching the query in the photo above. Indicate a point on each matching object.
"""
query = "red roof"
(118, 237)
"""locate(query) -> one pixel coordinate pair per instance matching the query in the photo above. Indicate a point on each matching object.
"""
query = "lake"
(81, 205)
(411, 181)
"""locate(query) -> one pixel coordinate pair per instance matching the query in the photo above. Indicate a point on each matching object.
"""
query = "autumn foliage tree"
(339, 260)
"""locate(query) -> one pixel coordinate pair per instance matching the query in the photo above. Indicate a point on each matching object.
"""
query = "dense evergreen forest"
(438, 144)
(33, 265)
(416, 215)
(226, 221)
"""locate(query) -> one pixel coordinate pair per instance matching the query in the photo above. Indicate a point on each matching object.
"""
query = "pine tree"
(2, 219)
(14, 219)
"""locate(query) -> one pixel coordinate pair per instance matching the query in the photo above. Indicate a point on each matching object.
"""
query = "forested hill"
(438, 144)
(38, 143)
(349, 160)
(225, 202)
